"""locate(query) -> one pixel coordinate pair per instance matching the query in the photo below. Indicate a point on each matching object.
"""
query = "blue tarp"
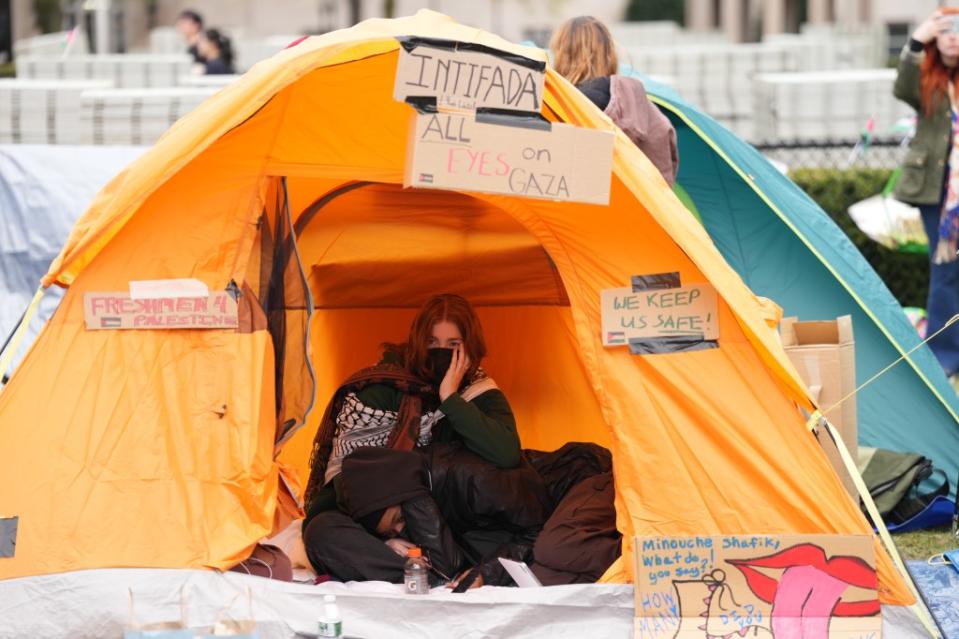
(939, 586)
(43, 190)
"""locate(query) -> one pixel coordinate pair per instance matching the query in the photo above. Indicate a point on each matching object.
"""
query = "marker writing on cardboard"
(525, 175)
(460, 79)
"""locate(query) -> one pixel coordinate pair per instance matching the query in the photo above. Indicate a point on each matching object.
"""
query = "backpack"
(902, 484)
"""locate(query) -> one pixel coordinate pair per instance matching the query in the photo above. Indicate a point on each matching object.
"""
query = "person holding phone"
(429, 389)
(926, 81)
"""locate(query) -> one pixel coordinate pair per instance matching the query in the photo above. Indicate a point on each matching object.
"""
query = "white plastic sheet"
(43, 190)
(888, 221)
(95, 603)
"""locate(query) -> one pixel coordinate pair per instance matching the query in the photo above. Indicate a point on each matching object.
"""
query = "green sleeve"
(907, 79)
(380, 397)
(486, 425)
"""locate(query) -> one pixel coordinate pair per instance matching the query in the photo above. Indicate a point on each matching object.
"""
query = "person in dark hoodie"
(443, 498)
(386, 509)
(216, 52)
(189, 25)
(446, 500)
(430, 389)
(585, 54)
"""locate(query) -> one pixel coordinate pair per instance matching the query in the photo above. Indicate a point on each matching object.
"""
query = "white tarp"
(889, 222)
(96, 603)
(43, 190)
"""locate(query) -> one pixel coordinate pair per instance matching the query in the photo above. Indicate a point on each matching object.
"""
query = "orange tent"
(165, 448)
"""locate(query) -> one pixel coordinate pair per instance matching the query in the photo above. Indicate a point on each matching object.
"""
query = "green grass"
(922, 544)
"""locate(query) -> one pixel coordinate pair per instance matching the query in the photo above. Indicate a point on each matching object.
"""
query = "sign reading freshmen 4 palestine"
(547, 161)
(114, 311)
(464, 79)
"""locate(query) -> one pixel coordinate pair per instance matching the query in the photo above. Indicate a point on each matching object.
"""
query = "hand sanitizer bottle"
(331, 623)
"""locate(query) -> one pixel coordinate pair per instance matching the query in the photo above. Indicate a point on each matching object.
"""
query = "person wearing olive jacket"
(930, 172)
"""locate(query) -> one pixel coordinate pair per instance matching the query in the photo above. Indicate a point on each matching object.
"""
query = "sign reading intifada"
(468, 80)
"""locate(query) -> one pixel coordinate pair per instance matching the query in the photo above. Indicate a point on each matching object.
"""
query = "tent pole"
(13, 342)
(918, 608)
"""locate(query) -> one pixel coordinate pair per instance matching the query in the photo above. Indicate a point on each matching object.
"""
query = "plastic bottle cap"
(329, 598)
(414, 552)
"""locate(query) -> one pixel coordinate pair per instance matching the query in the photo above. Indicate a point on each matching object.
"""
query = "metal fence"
(834, 154)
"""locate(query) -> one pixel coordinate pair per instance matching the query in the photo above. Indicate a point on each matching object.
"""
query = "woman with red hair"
(930, 174)
(429, 389)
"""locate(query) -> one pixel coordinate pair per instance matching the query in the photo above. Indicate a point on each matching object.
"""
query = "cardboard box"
(515, 156)
(824, 353)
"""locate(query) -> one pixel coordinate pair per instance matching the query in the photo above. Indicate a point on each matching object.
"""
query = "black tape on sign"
(8, 536)
(655, 282)
(411, 42)
(509, 117)
(673, 344)
(423, 103)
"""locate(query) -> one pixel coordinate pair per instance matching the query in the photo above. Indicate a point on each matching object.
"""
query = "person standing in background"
(585, 54)
(216, 52)
(189, 24)
(930, 172)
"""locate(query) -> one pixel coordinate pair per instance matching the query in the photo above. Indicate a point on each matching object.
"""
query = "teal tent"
(786, 248)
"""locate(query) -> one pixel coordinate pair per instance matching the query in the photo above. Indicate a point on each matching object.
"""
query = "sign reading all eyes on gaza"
(478, 127)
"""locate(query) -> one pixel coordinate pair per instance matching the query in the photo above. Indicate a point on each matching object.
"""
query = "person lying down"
(422, 450)
(553, 511)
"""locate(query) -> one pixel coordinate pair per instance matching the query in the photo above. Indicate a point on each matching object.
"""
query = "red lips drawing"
(809, 591)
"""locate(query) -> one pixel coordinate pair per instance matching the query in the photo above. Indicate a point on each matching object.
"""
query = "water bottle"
(416, 576)
(331, 623)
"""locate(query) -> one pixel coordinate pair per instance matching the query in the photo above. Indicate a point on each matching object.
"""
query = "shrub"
(906, 274)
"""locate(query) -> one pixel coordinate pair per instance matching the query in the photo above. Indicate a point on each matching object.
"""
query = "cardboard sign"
(115, 311)
(764, 586)
(463, 79)
(561, 162)
(183, 287)
(689, 311)
(824, 354)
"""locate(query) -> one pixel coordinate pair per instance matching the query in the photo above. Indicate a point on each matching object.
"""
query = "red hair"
(439, 308)
(934, 76)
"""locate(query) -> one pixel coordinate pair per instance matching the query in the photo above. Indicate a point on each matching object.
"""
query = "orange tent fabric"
(156, 448)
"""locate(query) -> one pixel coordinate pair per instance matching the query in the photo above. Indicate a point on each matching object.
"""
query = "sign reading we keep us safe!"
(689, 311)
(550, 161)
(116, 311)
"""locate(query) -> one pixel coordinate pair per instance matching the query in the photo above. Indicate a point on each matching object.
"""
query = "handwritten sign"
(563, 162)
(117, 311)
(463, 79)
(687, 311)
(756, 586)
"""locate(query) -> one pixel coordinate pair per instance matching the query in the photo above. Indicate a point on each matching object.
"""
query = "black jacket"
(474, 511)
(375, 478)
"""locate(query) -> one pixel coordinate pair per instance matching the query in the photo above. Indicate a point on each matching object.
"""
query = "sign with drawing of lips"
(765, 586)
